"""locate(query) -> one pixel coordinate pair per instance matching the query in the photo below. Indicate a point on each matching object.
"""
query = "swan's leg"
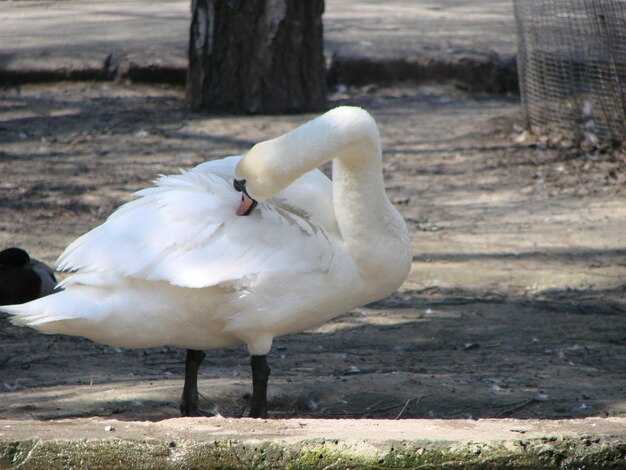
(260, 374)
(189, 402)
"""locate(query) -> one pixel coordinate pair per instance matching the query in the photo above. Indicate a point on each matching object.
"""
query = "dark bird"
(23, 279)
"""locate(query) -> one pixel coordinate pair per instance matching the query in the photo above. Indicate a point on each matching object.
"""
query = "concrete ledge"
(306, 443)
(46, 67)
(153, 68)
(475, 73)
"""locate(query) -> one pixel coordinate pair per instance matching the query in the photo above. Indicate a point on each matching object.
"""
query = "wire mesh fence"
(572, 67)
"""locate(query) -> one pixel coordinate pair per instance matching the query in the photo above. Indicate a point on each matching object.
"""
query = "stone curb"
(18, 69)
(308, 443)
(473, 72)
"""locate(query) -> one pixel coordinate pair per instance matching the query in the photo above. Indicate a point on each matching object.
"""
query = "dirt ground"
(515, 305)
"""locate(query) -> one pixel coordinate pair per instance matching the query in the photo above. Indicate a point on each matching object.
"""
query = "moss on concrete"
(129, 454)
(82, 454)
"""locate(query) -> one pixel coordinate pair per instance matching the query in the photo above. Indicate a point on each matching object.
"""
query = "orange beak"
(247, 205)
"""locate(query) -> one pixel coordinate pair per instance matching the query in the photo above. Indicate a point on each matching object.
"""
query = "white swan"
(179, 266)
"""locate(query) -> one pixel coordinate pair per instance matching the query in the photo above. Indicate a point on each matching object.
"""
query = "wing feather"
(185, 231)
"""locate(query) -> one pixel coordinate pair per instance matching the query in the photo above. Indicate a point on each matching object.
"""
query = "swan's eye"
(239, 185)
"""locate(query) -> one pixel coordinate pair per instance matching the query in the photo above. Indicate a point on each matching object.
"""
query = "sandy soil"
(515, 306)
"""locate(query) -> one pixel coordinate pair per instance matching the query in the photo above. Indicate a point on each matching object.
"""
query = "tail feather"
(41, 312)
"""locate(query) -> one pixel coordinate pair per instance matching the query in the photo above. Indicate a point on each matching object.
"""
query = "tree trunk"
(256, 56)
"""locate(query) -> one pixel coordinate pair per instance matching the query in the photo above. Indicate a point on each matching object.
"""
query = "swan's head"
(265, 170)
(271, 166)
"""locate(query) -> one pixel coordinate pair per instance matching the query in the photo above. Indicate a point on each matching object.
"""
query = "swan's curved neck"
(347, 136)
(372, 230)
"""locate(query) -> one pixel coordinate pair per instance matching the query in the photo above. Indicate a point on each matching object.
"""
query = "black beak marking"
(240, 186)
